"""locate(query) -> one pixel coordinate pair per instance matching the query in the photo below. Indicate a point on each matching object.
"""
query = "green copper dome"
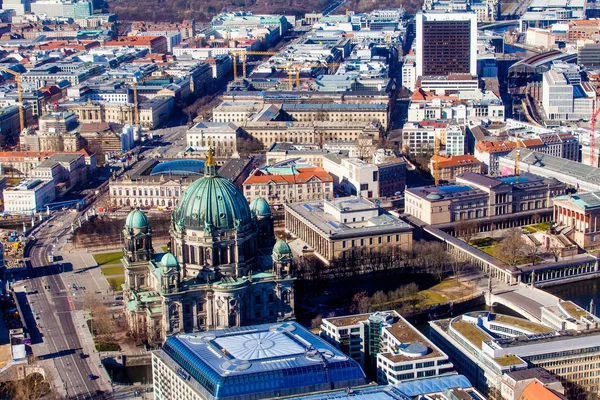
(169, 261)
(136, 220)
(260, 207)
(211, 202)
(281, 250)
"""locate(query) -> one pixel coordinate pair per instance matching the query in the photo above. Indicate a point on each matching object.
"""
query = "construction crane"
(517, 158)
(136, 108)
(243, 55)
(593, 139)
(436, 153)
(295, 69)
(19, 94)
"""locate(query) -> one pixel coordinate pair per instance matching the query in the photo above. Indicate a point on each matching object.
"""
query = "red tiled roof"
(303, 176)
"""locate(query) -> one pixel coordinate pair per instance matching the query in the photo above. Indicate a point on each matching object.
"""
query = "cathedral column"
(209, 310)
(195, 315)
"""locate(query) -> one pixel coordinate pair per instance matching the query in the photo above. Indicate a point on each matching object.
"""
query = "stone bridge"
(524, 300)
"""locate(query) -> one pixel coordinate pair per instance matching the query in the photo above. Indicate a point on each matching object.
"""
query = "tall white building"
(62, 8)
(566, 99)
(29, 196)
(19, 6)
(446, 43)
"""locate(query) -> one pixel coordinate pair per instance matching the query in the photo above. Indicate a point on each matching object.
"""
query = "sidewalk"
(87, 343)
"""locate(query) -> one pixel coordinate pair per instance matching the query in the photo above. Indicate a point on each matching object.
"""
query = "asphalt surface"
(52, 326)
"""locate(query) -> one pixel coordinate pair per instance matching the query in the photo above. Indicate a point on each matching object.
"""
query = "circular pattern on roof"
(414, 350)
(179, 167)
(318, 354)
(259, 345)
(209, 337)
(286, 326)
(235, 365)
(434, 196)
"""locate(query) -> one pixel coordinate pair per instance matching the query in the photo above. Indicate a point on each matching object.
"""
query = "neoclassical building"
(223, 270)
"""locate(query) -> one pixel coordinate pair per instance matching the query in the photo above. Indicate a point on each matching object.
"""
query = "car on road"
(75, 286)
(83, 356)
(91, 377)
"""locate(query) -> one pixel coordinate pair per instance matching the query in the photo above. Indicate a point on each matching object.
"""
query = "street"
(54, 334)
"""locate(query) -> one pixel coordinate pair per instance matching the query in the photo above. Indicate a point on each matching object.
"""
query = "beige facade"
(148, 192)
(152, 113)
(337, 225)
(581, 213)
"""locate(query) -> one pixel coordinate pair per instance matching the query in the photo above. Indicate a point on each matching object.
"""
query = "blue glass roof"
(513, 179)
(179, 167)
(454, 188)
(364, 393)
(420, 387)
(270, 358)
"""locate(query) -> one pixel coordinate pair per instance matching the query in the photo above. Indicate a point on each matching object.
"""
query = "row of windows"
(362, 242)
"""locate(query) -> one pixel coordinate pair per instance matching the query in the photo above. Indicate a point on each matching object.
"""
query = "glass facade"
(313, 366)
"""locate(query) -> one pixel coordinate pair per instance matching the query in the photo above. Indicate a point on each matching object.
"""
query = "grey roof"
(557, 164)
(533, 373)
(331, 106)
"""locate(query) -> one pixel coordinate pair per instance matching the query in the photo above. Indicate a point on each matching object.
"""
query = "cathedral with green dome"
(224, 268)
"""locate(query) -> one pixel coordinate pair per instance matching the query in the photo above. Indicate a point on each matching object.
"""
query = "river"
(579, 292)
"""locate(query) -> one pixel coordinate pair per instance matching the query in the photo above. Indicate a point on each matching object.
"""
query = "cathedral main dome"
(212, 201)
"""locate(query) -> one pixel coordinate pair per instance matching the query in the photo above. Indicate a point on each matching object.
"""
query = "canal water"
(580, 293)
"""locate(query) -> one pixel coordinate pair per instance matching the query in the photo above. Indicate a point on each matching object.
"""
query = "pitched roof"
(303, 176)
(447, 162)
(536, 391)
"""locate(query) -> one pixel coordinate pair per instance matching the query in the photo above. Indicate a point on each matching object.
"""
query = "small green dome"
(137, 220)
(212, 200)
(281, 250)
(260, 207)
(169, 261)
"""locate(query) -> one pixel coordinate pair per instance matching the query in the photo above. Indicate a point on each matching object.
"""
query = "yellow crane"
(436, 153)
(136, 109)
(517, 157)
(19, 94)
(294, 69)
(243, 55)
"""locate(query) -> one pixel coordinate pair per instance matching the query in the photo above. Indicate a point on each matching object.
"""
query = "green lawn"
(541, 227)
(115, 283)
(113, 270)
(108, 258)
(483, 242)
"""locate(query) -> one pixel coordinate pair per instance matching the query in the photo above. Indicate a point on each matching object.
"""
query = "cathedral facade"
(223, 269)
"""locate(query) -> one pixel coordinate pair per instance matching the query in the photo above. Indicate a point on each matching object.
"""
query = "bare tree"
(555, 250)
(457, 269)
(315, 323)
(466, 229)
(510, 249)
(531, 251)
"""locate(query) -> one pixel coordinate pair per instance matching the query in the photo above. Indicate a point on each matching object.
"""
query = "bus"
(50, 257)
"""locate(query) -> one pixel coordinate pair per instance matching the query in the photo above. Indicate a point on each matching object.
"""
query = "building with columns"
(332, 226)
(581, 213)
(222, 271)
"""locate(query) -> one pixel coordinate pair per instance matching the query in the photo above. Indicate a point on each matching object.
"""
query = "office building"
(446, 43)
(255, 362)
(386, 345)
(353, 176)
(54, 9)
(29, 196)
(485, 346)
(477, 196)
(331, 227)
(20, 7)
(565, 100)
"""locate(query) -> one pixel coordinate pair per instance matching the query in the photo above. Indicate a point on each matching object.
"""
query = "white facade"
(220, 135)
(455, 141)
(409, 73)
(29, 196)
(564, 100)
(393, 365)
(353, 176)
(433, 16)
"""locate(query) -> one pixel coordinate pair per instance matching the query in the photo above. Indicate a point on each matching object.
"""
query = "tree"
(466, 229)
(555, 250)
(316, 322)
(361, 303)
(510, 249)
(530, 251)
(457, 269)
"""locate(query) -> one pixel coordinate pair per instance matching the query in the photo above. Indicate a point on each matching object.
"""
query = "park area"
(112, 268)
(529, 244)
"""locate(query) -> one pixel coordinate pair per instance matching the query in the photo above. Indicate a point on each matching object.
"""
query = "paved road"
(54, 310)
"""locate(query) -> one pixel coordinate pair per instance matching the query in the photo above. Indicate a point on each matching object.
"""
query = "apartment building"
(420, 138)
(450, 167)
(386, 346)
